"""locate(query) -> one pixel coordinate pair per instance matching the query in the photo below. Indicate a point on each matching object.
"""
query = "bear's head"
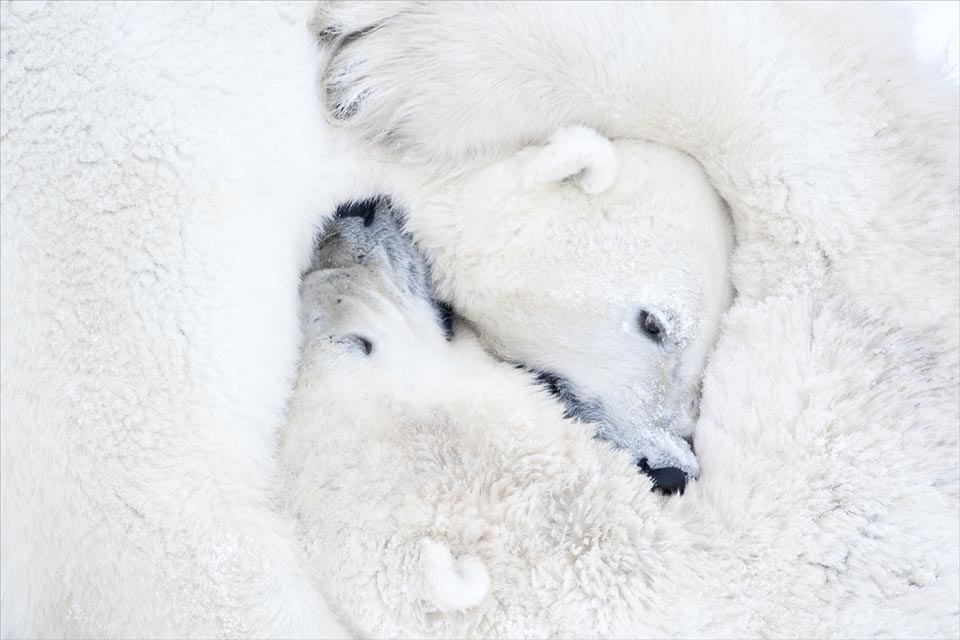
(599, 266)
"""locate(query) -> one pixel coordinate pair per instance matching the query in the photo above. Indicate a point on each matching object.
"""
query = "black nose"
(666, 480)
(366, 210)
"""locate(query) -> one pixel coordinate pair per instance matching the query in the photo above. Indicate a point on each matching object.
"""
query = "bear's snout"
(666, 480)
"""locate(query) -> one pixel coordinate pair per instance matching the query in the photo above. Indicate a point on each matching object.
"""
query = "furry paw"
(349, 30)
(432, 81)
(372, 64)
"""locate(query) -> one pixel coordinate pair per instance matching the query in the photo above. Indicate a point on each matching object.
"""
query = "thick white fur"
(814, 122)
(457, 502)
(553, 253)
(828, 441)
(438, 492)
(163, 166)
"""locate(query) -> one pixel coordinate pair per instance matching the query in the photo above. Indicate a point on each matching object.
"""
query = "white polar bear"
(163, 167)
(438, 492)
(729, 86)
(829, 417)
(784, 105)
(601, 267)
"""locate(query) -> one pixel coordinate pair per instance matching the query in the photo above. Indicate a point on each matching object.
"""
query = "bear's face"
(367, 290)
(609, 282)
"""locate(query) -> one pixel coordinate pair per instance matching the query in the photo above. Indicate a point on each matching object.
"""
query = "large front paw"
(363, 71)
(428, 81)
(385, 72)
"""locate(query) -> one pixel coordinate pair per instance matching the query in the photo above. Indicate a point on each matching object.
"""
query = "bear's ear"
(578, 154)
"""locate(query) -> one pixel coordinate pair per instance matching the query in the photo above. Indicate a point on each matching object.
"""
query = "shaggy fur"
(828, 439)
(458, 499)
(462, 504)
(163, 168)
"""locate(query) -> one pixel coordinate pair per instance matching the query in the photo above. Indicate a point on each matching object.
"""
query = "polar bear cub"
(602, 267)
(437, 491)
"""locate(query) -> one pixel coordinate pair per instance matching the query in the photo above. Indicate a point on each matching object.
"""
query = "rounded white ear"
(449, 583)
(578, 154)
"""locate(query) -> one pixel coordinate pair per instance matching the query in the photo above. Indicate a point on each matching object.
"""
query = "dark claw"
(329, 33)
(344, 110)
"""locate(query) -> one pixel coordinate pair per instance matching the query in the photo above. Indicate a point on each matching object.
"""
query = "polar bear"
(138, 424)
(600, 267)
(439, 492)
(748, 91)
(706, 81)
(828, 439)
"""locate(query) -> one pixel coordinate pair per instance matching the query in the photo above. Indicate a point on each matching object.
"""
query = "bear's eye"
(650, 325)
